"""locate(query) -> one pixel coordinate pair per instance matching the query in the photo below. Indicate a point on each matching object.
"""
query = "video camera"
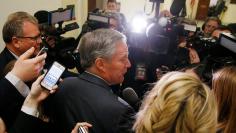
(60, 16)
(223, 53)
(98, 20)
(101, 19)
(203, 45)
(60, 48)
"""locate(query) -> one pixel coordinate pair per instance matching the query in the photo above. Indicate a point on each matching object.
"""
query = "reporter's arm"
(28, 121)
(35, 97)
(25, 69)
(193, 56)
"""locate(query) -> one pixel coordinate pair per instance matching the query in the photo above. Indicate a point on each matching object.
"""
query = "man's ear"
(15, 42)
(100, 64)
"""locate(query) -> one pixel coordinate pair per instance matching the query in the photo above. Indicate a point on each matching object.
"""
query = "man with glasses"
(20, 33)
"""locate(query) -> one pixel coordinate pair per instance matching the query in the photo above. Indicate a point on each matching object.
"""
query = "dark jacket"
(10, 102)
(89, 98)
(28, 124)
(5, 57)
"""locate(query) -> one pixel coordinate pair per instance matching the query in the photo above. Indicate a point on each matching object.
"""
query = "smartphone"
(42, 51)
(82, 130)
(53, 75)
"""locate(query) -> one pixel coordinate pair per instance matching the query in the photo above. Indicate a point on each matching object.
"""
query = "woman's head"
(224, 87)
(179, 102)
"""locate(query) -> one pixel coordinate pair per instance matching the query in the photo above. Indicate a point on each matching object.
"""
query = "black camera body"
(203, 45)
(102, 19)
(59, 48)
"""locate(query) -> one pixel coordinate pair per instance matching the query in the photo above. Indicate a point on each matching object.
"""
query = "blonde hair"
(178, 103)
(224, 87)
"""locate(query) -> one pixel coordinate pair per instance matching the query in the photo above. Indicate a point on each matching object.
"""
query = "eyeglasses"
(34, 38)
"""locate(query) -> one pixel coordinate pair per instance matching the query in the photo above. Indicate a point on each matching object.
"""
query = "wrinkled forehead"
(121, 48)
(30, 28)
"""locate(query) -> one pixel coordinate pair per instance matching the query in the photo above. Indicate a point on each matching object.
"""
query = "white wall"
(130, 7)
(229, 16)
(30, 6)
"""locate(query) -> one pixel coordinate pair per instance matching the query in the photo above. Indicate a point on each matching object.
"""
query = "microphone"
(131, 97)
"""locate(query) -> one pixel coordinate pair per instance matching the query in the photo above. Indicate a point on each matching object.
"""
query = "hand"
(2, 126)
(182, 45)
(28, 69)
(193, 55)
(51, 40)
(165, 13)
(79, 124)
(38, 94)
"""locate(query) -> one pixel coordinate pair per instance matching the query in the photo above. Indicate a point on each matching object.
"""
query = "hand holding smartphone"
(52, 76)
(82, 130)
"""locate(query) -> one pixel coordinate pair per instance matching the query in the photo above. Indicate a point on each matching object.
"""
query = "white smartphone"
(53, 75)
(42, 51)
(82, 130)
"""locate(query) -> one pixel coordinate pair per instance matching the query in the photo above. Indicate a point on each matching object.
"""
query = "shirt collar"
(13, 54)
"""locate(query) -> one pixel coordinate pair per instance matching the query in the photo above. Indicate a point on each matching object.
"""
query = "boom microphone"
(131, 97)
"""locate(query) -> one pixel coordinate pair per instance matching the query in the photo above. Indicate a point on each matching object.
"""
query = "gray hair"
(99, 43)
(14, 25)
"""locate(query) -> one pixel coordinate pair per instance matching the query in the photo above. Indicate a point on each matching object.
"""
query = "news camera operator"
(207, 46)
(196, 46)
(114, 6)
(210, 24)
(199, 52)
(215, 55)
(114, 21)
(48, 40)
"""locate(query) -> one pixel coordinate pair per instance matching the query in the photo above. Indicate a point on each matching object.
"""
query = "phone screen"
(53, 75)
